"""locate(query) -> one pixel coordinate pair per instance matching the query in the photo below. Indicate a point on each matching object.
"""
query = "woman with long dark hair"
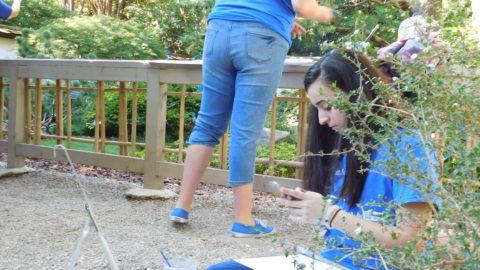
(346, 193)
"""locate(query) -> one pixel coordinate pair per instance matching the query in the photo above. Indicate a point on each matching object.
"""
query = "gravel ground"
(41, 218)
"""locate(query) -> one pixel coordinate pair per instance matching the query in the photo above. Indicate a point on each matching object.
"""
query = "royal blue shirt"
(276, 15)
(5, 10)
(381, 194)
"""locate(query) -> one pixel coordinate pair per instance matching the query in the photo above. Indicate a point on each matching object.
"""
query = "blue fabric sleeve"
(277, 15)
(228, 265)
(5, 10)
(415, 161)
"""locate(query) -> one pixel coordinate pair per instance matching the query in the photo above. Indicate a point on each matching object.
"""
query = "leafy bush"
(445, 113)
(178, 24)
(35, 14)
(284, 150)
(111, 112)
(353, 23)
(192, 106)
(97, 37)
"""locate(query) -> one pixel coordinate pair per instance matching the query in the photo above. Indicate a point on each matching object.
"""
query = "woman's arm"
(308, 207)
(309, 9)
(411, 219)
(15, 9)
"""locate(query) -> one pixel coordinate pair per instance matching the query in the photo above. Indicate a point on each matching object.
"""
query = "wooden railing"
(24, 121)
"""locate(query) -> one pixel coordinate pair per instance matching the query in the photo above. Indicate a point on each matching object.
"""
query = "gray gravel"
(41, 218)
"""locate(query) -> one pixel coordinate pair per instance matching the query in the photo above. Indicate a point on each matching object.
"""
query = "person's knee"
(245, 137)
(205, 135)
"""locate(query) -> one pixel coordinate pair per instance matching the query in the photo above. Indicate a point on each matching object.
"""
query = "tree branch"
(400, 4)
(375, 39)
(445, 263)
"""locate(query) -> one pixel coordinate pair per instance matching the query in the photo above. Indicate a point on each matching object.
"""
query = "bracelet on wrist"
(330, 213)
(334, 216)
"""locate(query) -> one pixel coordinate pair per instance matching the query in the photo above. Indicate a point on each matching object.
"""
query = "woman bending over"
(376, 195)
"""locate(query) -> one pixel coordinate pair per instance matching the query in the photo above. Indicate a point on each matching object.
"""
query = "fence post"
(38, 112)
(59, 110)
(181, 125)
(28, 109)
(1, 107)
(155, 130)
(302, 131)
(16, 119)
(133, 137)
(122, 118)
(69, 113)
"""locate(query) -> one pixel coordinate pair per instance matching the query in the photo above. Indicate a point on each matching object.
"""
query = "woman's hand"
(304, 206)
(309, 9)
(297, 29)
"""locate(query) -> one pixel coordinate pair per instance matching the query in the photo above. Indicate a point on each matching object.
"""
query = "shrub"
(97, 37)
(35, 14)
(179, 24)
(445, 113)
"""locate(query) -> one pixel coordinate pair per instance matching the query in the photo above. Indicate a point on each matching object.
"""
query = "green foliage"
(97, 37)
(35, 14)
(287, 113)
(82, 123)
(445, 112)
(284, 150)
(173, 112)
(354, 23)
(111, 111)
(192, 106)
(83, 146)
(178, 24)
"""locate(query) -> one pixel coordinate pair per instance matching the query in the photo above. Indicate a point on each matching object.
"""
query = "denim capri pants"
(242, 65)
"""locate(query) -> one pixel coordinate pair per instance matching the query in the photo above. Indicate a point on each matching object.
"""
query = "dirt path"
(41, 218)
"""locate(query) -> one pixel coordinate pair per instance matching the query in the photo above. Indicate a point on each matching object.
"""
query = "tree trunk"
(120, 7)
(108, 7)
(100, 8)
(80, 8)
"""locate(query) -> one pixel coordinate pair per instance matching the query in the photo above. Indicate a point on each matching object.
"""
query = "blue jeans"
(242, 65)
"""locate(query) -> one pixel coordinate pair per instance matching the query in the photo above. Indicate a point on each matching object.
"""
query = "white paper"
(286, 263)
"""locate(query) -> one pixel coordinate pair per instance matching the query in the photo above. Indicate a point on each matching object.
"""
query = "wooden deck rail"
(24, 135)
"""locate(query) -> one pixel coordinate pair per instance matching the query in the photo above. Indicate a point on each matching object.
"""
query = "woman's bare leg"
(243, 204)
(197, 160)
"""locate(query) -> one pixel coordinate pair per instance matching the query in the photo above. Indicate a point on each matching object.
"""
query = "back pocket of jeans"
(210, 37)
(259, 46)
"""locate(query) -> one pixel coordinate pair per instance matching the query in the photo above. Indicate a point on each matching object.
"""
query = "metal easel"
(91, 224)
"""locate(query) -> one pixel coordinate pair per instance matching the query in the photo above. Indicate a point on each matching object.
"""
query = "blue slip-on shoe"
(240, 230)
(179, 215)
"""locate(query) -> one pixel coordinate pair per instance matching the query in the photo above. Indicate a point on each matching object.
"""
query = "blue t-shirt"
(381, 194)
(277, 15)
(5, 10)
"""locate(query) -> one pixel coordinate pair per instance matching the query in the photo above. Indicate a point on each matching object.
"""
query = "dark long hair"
(342, 70)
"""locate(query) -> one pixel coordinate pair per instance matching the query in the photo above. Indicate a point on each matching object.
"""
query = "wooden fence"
(26, 84)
